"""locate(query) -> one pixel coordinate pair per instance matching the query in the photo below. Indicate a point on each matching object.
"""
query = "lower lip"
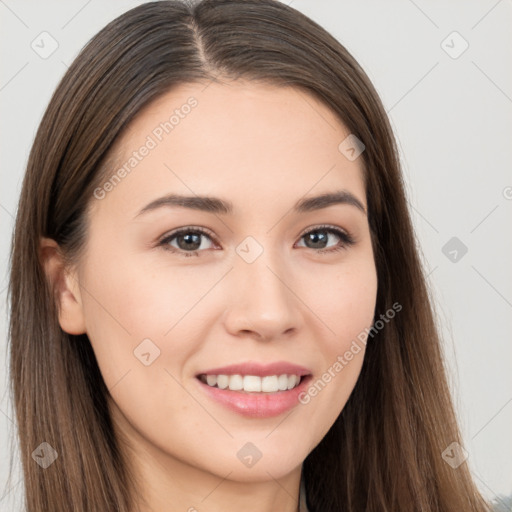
(257, 405)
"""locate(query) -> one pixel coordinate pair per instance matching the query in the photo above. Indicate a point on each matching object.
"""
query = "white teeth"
(270, 383)
(222, 381)
(236, 382)
(252, 383)
(282, 382)
(292, 381)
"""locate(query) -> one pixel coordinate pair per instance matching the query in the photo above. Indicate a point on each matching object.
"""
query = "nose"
(261, 301)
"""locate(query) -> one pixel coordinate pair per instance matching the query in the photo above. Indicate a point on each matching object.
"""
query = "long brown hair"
(384, 451)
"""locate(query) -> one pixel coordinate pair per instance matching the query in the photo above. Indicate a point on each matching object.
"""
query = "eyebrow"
(220, 206)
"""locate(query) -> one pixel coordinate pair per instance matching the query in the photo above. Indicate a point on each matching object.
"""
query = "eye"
(189, 241)
(317, 236)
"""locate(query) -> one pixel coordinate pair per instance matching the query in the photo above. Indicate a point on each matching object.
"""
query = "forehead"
(245, 140)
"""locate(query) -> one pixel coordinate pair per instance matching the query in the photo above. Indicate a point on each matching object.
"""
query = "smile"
(255, 397)
(252, 383)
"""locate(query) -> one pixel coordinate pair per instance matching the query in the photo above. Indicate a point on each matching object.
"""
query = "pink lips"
(257, 405)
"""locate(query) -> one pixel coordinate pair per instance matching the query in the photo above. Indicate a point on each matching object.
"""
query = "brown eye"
(319, 237)
(188, 241)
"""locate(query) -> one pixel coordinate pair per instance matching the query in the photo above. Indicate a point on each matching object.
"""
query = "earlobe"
(66, 286)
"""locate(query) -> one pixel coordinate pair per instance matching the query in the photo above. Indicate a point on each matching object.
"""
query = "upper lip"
(258, 369)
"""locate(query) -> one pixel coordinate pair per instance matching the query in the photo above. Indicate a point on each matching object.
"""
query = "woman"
(144, 379)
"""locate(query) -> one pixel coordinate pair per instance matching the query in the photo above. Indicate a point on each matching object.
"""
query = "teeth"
(236, 383)
(222, 381)
(282, 382)
(252, 383)
(211, 380)
(270, 383)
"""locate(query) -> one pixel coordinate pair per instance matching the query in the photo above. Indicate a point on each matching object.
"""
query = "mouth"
(253, 383)
(253, 396)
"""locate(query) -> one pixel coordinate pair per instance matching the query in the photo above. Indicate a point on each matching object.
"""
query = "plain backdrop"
(443, 72)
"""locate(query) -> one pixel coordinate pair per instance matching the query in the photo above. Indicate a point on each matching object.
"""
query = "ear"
(66, 286)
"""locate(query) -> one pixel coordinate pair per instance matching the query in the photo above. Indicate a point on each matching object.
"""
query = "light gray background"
(452, 119)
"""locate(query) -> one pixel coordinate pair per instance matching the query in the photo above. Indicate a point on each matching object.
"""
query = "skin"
(263, 148)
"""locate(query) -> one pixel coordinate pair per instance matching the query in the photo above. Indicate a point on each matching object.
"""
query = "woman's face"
(253, 287)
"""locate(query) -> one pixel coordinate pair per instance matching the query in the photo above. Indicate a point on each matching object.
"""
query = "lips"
(246, 398)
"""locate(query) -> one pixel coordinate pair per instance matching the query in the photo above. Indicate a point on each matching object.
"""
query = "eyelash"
(346, 239)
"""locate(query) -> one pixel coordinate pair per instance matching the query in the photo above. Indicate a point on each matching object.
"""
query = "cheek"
(345, 302)
(140, 299)
(129, 310)
(130, 300)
